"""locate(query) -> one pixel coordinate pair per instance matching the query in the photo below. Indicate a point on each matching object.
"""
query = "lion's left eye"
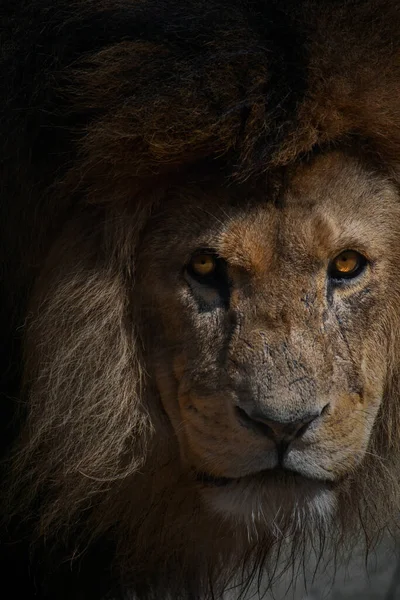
(346, 265)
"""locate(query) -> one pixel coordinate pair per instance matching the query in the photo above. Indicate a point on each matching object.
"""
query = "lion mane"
(105, 106)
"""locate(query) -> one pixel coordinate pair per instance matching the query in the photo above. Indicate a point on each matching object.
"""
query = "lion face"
(271, 327)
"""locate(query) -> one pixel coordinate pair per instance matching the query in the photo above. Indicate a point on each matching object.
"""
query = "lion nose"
(278, 431)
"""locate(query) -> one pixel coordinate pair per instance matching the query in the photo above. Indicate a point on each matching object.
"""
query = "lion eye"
(347, 264)
(203, 264)
(207, 275)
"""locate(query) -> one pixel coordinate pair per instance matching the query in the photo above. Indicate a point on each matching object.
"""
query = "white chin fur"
(270, 505)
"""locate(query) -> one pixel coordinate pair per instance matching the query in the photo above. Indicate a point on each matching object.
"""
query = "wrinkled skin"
(272, 375)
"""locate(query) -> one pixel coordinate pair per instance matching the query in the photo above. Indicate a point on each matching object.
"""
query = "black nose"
(278, 431)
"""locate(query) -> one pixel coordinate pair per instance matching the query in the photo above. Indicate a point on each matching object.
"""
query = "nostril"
(303, 428)
(254, 424)
(325, 410)
(306, 422)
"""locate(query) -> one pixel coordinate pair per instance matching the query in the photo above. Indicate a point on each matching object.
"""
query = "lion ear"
(84, 378)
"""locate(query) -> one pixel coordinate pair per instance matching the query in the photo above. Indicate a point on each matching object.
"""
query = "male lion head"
(200, 243)
(270, 331)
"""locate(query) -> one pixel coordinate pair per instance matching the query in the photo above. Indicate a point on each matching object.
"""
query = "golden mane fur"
(111, 113)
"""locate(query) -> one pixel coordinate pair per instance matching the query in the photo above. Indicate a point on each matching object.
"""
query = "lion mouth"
(276, 474)
(211, 480)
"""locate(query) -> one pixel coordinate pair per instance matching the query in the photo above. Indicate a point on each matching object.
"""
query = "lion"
(200, 297)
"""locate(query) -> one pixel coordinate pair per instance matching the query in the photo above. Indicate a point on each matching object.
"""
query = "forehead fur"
(325, 204)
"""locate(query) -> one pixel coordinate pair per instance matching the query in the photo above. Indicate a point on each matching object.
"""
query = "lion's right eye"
(207, 273)
(203, 264)
(206, 267)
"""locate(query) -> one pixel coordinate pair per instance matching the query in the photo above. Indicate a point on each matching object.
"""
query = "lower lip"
(275, 474)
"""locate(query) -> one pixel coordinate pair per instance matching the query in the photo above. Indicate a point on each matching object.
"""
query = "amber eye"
(203, 264)
(347, 264)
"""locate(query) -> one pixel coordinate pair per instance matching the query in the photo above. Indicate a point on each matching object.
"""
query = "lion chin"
(272, 500)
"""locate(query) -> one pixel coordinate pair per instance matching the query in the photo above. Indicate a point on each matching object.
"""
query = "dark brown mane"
(106, 105)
